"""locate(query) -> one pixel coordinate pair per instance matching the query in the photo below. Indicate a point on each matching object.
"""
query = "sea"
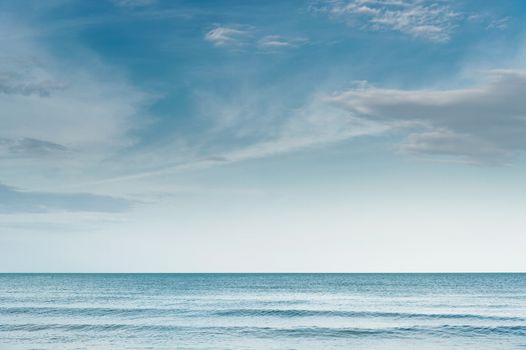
(263, 311)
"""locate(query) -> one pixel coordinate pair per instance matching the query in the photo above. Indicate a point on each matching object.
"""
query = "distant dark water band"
(286, 313)
(303, 332)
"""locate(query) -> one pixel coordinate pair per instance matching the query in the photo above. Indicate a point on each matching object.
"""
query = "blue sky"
(330, 135)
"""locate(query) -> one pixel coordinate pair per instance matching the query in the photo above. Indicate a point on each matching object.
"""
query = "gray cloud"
(47, 102)
(485, 123)
(14, 84)
(13, 200)
(29, 147)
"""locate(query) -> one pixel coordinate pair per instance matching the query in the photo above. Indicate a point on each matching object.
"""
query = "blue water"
(262, 311)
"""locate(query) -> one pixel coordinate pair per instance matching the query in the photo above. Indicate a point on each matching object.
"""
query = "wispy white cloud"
(133, 3)
(243, 36)
(430, 20)
(490, 20)
(228, 36)
(278, 42)
(314, 125)
(499, 23)
(485, 123)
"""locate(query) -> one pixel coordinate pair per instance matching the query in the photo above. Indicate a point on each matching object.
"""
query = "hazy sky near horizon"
(324, 135)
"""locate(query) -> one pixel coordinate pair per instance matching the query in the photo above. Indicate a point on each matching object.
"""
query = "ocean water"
(262, 311)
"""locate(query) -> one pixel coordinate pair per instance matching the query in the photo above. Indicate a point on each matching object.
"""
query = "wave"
(443, 330)
(265, 332)
(93, 311)
(365, 314)
(285, 313)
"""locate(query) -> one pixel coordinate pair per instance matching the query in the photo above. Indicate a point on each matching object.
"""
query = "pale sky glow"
(345, 136)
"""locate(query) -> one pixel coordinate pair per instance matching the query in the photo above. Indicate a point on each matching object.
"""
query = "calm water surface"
(262, 311)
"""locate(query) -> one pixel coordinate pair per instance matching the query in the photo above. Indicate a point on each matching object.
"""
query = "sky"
(262, 136)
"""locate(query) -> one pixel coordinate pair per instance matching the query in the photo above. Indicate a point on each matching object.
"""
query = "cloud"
(239, 36)
(48, 102)
(278, 42)
(490, 21)
(12, 84)
(133, 3)
(28, 147)
(314, 125)
(58, 221)
(227, 36)
(433, 21)
(14, 201)
(480, 124)
(485, 123)
(499, 23)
